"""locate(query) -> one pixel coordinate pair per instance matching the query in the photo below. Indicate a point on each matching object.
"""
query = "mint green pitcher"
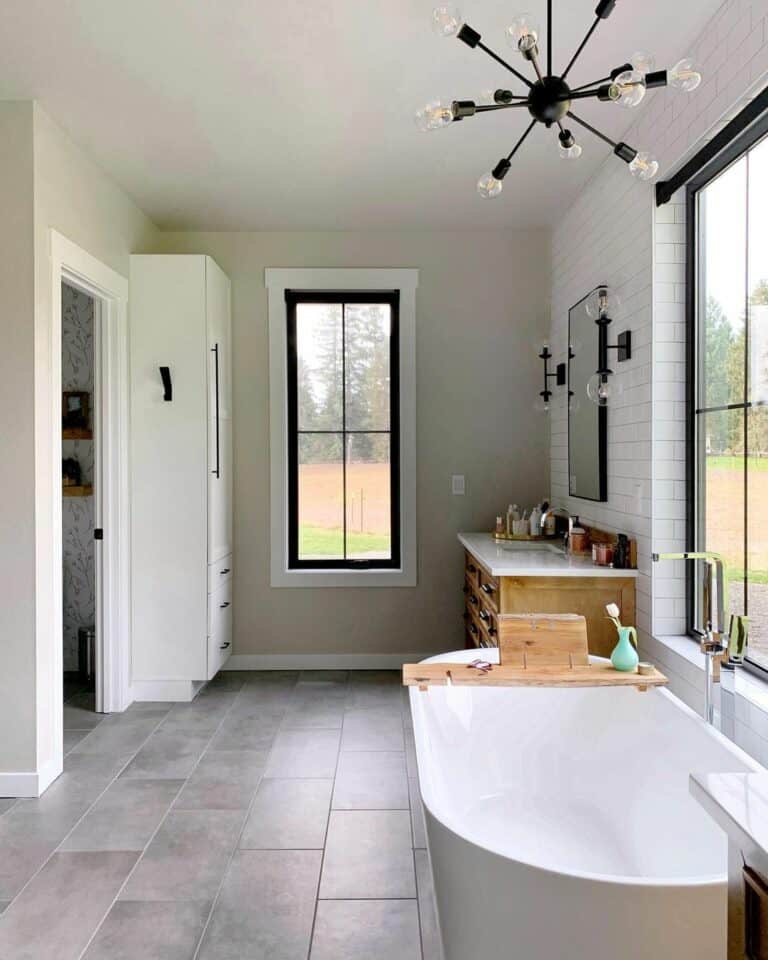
(624, 656)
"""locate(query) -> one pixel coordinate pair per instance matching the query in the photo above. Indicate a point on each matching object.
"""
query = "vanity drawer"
(489, 625)
(219, 573)
(489, 590)
(471, 570)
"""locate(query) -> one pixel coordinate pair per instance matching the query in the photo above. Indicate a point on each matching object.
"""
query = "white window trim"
(277, 282)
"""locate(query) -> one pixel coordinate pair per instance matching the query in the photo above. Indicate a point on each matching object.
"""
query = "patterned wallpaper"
(77, 519)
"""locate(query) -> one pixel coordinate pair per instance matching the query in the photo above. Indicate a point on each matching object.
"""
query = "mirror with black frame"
(587, 421)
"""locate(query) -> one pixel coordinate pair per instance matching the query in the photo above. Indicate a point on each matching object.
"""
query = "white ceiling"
(293, 114)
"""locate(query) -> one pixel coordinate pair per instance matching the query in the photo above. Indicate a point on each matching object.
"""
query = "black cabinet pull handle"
(491, 632)
(223, 605)
(223, 646)
(225, 570)
(487, 588)
(484, 615)
(473, 630)
(165, 374)
(472, 568)
(215, 351)
(473, 600)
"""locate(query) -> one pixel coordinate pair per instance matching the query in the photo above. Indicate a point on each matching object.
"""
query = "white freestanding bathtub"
(560, 826)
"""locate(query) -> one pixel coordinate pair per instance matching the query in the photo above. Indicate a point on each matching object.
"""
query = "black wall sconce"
(165, 376)
(560, 376)
(599, 388)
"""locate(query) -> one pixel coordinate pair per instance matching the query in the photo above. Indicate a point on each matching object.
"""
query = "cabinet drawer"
(219, 627)
(471, 569)
(219, 573)
(489, 590)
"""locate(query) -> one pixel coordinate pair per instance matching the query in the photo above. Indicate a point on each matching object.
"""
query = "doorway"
(90, 558)
(80, 448)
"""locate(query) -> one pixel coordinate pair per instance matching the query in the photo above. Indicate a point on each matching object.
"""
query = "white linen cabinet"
(181, 473)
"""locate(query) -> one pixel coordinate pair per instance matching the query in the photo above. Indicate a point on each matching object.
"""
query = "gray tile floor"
(275, 818)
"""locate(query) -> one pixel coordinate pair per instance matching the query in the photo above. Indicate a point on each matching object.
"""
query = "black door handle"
(215, 351)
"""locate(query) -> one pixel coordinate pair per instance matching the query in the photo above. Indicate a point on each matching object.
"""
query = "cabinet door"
(218, 333)
(219, 490)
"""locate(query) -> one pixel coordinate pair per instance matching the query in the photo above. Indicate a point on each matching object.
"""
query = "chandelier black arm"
(592, 129)
(521, 141)
(581, 46)
(593, 83)
(549, 38)
(490, 107)
(504, 63)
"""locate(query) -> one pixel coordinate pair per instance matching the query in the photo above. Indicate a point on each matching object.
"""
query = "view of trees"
(725, 375)
(325, 353)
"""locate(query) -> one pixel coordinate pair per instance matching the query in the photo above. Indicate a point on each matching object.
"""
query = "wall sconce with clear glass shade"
(600, 305)
(560, 377)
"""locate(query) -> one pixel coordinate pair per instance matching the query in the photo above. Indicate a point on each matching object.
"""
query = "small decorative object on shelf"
(624, 657)
(71, 472)
(75, 410)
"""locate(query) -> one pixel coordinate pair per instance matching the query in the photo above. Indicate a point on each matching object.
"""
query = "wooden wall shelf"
(77, 433)
(85, 490)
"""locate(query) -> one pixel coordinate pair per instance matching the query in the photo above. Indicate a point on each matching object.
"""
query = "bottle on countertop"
(536, 521)
(510, 518)
(499, 525)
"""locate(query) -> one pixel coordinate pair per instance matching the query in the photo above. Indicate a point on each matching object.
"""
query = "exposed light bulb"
(523, 33)
(570, 153)
(434, 116)
(628, 88)
(446, 20)
(598, 389)
(603, 303)
(644, 167)
(684, 76)
(489, 187)
(643, 62)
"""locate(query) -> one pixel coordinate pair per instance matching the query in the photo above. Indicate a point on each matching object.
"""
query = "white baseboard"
(21, 785)
(169, 691)
(321, 661)
(49, 773)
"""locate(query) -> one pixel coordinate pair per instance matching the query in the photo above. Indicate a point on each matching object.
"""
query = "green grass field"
(329, 542)
(736, 463)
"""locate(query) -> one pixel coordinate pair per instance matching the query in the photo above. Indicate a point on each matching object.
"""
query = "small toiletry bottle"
(499, 525)
(510, 518)
(536, 522)
(515, 512)
(550, 528)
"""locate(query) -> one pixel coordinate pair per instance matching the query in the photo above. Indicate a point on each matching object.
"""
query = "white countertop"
(738, 802)
(532, 558)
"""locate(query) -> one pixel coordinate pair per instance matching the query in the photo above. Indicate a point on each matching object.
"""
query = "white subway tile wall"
(615, 234)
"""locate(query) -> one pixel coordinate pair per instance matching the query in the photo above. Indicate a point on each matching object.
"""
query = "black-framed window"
(343, 430)
(727, 251)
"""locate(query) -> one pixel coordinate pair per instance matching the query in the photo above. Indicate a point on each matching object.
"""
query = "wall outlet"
(458, 485)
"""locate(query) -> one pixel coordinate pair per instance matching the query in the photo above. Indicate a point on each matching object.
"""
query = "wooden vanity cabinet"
(485, 597)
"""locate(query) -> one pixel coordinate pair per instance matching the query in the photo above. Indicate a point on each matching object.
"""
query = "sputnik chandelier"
(549, 97)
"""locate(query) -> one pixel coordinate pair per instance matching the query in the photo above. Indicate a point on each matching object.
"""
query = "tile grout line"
(236, 846)
(159, 826)
(327, 828)
(85, 813)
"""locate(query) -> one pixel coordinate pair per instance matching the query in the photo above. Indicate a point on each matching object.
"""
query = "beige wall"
(46, 182)
(17, 504)
(481, 303)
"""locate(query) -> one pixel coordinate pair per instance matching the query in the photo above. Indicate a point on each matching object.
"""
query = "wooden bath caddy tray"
(424, 675)
(535, 650)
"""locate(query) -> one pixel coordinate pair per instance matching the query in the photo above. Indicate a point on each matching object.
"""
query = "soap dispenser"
(536, 521)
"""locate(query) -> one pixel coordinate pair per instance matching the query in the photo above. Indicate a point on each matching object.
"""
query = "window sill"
(749, 686)
(344, 578)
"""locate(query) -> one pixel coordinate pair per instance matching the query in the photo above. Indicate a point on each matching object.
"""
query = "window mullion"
(344, 420)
